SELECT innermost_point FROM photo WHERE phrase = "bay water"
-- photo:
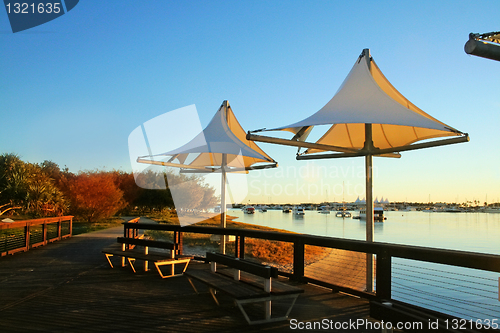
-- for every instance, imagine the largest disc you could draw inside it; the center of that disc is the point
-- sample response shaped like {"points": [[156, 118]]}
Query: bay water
{"points": [[465, 293]]}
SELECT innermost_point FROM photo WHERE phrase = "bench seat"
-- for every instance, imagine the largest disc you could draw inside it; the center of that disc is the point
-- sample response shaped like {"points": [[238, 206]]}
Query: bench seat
{"points": [[159, 259], [277, 287], [246, 282], [233, 288]]}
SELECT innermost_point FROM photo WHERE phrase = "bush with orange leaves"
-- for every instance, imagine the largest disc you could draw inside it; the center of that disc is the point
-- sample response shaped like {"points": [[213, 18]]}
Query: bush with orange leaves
{"points": [[94, 195]]}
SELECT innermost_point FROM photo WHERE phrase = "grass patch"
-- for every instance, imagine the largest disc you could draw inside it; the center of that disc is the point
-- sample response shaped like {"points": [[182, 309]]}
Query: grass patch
{"points": [[82, 227], [269, 251]]}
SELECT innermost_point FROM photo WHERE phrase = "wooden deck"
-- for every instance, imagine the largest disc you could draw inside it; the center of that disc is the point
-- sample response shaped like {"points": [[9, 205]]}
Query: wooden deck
{"points": [[68, 286]]}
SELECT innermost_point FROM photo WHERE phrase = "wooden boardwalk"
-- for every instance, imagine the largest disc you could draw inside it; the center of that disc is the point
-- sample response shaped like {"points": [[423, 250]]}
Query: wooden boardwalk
{"points": [[344, 268], [68, 286]]}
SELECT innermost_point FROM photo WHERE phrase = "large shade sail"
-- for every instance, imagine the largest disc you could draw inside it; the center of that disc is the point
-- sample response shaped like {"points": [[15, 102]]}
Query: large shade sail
{"points": [[221, 147], [367, 97], [367, 117], [204, 153]]}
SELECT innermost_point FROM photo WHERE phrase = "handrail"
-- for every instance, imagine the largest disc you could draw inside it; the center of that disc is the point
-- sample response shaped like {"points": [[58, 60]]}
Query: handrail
{"points": [[22, 223], [489, 262], [30, 237], [384, 253]]}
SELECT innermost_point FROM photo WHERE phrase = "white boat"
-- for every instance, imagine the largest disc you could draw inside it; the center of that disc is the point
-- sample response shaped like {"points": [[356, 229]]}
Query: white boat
{"points": [[343, 214], [378, 214], [249, 210], [323, 210], [298, 210], [492, 210], [263, 209]]}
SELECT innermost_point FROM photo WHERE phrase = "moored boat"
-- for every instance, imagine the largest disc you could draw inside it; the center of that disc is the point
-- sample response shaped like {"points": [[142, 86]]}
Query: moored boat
{"points": [[323, 210], [298, 210], [249, 210], [378, 214]]}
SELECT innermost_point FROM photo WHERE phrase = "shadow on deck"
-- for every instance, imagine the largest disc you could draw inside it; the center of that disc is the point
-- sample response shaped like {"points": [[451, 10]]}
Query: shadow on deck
{"points": [[69, 287]]}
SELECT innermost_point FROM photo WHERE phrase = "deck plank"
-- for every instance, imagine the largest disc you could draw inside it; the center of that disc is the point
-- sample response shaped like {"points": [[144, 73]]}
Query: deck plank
{"points": [[68, 286]]}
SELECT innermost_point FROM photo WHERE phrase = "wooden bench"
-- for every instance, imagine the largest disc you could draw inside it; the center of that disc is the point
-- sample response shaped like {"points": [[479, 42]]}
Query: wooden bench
{"points": [[126, 248], [246, 282]]}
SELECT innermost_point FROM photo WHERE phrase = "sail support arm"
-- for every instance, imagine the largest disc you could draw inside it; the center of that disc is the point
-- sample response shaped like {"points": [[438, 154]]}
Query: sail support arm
{"points": [[378, 152], [303, 144]]}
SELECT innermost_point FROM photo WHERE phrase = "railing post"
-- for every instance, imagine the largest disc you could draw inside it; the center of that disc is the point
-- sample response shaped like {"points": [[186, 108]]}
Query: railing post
{"points": [[239, 246], [71, 226], [383, 276], [178, 241], [298, 260], [27, 235], [44, 232], [59, 230]]}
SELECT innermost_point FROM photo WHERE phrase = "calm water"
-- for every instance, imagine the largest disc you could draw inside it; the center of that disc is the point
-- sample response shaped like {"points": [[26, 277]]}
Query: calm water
{"points": [[478, 232], [465, 293]]}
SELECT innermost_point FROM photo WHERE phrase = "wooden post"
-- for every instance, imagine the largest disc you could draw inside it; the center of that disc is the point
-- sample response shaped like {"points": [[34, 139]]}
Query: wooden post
{"points": [[236, 246], [298, 260], [384, 272], [71, 226], [27, 235], [242, 247], [178, 242], [59, 229], [239, 247], [44, 231]]}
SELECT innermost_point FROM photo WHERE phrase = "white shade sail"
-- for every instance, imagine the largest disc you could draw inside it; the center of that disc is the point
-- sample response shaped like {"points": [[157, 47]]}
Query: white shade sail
{"points": [[367, 117], [367, 97], [204, 153]]}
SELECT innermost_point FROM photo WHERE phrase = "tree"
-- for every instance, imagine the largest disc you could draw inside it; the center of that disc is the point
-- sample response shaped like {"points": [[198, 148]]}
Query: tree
{"points": [[190, 193], [126, 183], [28, 187], [94, 195]]}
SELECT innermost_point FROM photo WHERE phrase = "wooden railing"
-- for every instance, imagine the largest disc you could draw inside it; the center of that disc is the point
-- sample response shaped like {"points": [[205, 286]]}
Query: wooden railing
{"points": [[384, 253], [21, 236]]}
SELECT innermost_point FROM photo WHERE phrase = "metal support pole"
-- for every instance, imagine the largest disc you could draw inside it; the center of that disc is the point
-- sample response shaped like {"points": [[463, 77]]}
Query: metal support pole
{"points": [[223, 193], [223, 204], [369, 206]]}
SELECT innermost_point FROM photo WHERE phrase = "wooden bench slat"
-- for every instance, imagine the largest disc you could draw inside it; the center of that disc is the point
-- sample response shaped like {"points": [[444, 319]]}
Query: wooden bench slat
{"points": [[222, 283], [136, 254], [147, 242], [244, 265], [277, 287]]}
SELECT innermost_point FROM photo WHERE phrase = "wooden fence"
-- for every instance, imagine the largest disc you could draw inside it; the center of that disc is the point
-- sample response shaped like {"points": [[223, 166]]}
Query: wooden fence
{"points": [[21, 236]]}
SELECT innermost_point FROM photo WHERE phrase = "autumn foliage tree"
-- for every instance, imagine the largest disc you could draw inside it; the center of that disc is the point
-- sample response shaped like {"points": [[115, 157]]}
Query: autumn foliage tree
{"points": [[28, 188], [47, 190], [94, 195]]}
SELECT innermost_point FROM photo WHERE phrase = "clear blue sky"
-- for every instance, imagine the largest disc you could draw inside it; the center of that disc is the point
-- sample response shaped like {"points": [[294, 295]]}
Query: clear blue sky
{"points": [[73, 89]]}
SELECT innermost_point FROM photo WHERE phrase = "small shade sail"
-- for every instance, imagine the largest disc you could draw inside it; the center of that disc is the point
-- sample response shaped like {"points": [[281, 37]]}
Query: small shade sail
{"points": [[204, 153], [367, 97]]}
